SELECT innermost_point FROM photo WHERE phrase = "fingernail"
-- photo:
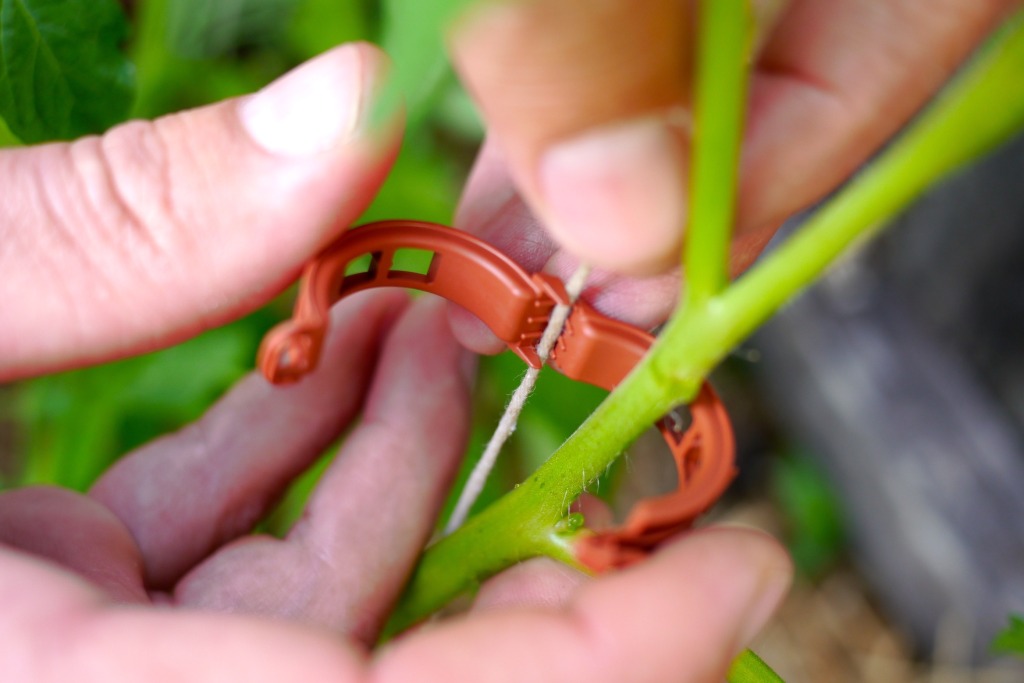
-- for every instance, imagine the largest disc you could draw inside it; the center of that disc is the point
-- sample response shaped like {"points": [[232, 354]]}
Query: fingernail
{"points": [[312, 108], [615, 196]]}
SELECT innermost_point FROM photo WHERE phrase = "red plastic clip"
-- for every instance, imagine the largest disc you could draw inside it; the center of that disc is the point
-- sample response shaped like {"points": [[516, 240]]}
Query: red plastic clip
{"points": [[515, 306]]}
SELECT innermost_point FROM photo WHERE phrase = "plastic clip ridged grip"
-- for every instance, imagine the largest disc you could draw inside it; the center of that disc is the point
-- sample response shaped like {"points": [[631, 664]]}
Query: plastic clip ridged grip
{"points": [[516, 306]]}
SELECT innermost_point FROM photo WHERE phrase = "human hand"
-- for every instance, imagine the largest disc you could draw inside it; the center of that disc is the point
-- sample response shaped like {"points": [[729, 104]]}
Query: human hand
{"points": [[152, 576], [154, 232], [586, 110], [680, 616], [135, 240]]}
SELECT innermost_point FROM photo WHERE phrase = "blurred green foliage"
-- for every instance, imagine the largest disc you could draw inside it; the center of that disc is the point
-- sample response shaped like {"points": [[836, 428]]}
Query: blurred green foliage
{"points": [[200, 29], [811, 513], [413, 34], [62, 73], [1010, 641]]}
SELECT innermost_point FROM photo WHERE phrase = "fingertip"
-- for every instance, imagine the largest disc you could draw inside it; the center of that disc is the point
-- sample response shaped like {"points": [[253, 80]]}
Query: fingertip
{"points": [[747, 551], [692, 606], [735, 538], [749, 563], [472, 333], [614, 196], [298, 116]]}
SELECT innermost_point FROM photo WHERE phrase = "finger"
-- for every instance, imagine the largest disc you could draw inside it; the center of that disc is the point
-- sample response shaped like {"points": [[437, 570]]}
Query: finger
{"points": [[56, 628], [494, 211], [587, 117], [681, 616], [540, 582], [401, 460], [155, 231], [833, 83], [77, 533], [369, 517], [186, 494]]}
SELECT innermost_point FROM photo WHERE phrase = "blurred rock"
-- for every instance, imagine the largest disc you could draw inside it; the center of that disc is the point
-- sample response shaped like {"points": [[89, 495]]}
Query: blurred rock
{"points": [[902, 370]]}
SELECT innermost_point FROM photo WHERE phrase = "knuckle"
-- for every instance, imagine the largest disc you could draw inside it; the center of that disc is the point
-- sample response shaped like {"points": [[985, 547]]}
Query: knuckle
{"points": [[126, 184]]}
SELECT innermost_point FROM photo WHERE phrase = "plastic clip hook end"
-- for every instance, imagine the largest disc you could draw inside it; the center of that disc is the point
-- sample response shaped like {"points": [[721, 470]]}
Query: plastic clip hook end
{"points": [[289, 352]]}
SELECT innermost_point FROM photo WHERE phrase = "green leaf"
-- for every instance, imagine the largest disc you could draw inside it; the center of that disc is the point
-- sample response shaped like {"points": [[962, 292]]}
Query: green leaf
{"points": [[62, 74], [1010, 641]]}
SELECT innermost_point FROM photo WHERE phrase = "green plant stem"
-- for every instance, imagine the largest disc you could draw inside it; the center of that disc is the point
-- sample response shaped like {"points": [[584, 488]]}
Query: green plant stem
{"points": [[154, 64], [724, 38], [982, 108], [749, 668]]}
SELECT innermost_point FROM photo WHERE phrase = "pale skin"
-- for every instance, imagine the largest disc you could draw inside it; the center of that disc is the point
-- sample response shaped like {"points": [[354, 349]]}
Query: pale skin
{"points": [[116, 245]]}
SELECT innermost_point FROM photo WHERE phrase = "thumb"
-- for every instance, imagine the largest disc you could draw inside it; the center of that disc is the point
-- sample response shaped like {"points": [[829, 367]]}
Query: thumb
{"points": [[147, 235], [586, 102]]}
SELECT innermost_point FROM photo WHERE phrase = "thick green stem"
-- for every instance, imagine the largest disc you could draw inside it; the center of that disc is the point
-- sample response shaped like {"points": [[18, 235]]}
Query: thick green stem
{"points": [[723, 47], [530, 520]]}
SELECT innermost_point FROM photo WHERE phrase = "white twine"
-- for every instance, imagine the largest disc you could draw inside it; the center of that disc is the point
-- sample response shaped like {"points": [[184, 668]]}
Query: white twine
{"points": [[507, 424]]}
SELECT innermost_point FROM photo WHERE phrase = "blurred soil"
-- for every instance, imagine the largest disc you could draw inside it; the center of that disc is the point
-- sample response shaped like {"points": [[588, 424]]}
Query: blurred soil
{"points": [[830, 630]]}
